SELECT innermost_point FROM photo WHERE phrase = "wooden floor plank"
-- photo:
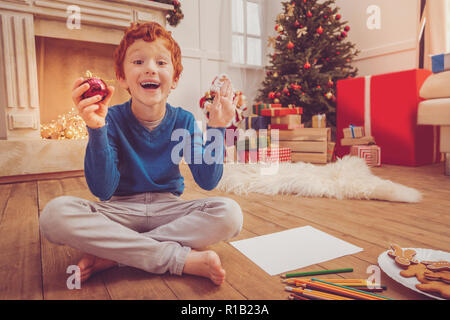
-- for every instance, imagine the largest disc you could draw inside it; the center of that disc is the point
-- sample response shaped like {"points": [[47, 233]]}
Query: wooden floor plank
{"points": [[20, 263], [35, 268], [57, 258]]}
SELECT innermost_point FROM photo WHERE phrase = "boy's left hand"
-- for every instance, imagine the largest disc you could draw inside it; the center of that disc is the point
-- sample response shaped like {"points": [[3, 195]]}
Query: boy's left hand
{"points": [[223, 108]]}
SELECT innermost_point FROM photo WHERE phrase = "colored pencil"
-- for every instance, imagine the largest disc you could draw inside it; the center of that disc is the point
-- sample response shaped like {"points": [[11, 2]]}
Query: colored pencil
{"points": [[351, 289], [339, 290], [294, 296], [314, 273], [316, 293]]}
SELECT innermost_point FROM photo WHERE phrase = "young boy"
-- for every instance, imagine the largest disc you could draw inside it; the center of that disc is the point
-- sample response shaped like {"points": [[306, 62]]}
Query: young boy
{"points": [[140, 220]]}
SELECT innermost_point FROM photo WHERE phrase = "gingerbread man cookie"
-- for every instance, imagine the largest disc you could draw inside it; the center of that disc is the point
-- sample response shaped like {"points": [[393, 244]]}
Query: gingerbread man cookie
{"points": [[438, 276], [415, 270], [435, 287], [437, 265], [403, 258]]}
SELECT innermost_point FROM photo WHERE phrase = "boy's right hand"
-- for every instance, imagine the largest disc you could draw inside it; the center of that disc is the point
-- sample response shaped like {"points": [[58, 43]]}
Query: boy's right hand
{"points": [[92, 110]]}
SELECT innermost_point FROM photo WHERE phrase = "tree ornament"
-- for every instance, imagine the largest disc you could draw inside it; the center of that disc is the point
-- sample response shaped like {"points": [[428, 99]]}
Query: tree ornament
{"points": [[338, 17], [347, 28], [96, 87], [330, 83], [301, 32], [307, 65], [309, 14], [319, 30], [276, 100], [296, 24], [290, 45], [343, 34], [329, 95], [271, 95]]}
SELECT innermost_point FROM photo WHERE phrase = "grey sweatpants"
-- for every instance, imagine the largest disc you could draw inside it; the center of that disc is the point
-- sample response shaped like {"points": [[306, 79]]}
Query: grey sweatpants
{"points": [[150, 231]]}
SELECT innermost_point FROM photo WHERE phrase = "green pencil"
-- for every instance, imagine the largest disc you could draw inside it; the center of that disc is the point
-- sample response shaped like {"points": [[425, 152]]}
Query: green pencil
{"points": [[314, 273]]}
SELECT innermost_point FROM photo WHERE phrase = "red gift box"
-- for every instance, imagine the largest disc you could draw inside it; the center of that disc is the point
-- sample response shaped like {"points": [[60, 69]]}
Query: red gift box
{"points": [[386, 105], [276, 112], [274, 155]]}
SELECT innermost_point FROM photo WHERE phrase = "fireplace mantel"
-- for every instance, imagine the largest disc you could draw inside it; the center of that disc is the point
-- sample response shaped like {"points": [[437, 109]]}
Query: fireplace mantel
{"points": [[101, 21]]}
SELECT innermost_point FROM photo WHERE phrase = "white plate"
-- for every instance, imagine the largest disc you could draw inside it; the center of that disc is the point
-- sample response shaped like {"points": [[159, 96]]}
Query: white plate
{"points": [[388, 265]]}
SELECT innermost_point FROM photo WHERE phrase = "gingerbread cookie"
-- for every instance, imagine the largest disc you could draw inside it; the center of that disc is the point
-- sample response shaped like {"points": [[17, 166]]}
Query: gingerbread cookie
{"points": [[437, 265], [403, 258], [438, 276], [435, 287], [415, 270]]}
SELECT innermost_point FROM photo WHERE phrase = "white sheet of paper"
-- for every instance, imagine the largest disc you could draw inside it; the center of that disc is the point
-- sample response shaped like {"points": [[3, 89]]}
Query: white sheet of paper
{"points": [[293, 249]]}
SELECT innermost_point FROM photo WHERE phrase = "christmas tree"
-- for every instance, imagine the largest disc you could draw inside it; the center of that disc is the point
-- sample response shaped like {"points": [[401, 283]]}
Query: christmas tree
{"points": [[310, 54]]}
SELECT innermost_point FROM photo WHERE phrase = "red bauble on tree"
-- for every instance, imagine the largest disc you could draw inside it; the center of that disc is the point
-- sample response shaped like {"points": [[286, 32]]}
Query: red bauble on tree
{"points": [[290, 45]]}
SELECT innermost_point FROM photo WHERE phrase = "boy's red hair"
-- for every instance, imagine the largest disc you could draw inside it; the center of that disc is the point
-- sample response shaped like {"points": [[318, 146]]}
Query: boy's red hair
{"points": [[149, 31]]}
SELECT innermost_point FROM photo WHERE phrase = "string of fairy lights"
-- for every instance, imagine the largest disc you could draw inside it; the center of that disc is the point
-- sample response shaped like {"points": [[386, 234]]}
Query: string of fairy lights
{"points": [[67, 126]]}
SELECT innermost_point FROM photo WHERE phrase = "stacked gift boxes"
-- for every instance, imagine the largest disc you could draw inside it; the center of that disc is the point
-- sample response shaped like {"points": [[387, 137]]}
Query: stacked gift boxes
{"points": [[386, 106], [362, 146], [258, 148]]}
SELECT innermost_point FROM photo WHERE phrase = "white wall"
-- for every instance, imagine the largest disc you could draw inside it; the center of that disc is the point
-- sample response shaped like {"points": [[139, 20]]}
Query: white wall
{"points": [[205, 39], [391, 48]]}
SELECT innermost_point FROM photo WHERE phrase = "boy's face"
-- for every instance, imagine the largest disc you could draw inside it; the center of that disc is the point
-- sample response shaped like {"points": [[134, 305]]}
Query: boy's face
{"points": [[148, 73]]}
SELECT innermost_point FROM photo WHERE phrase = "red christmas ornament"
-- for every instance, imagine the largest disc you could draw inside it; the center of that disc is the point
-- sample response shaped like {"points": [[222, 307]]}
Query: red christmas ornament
{"points": [[96, 87], [285, 90], [309, 14], [307, 65], [296, 24], [343, 34], [319, 30], [330, 83], [338, 17], [290, 45], [347, 28], [272, 95]]}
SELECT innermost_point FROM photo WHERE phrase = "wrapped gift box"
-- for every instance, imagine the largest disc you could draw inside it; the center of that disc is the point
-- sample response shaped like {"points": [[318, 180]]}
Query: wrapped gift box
{"points": [[252, 143], [353, 132], [286, 126], [290, 119], [387, 106], [440, 62], [319, 121], [330, 152], [261, 106], [371, 154], [274, 155], [256, 122], [250, 156], [278, 112], [355, 141]]}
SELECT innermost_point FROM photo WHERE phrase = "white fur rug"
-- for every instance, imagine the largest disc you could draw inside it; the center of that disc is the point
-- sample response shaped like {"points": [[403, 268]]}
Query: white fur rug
{"points": [[347, 178]]}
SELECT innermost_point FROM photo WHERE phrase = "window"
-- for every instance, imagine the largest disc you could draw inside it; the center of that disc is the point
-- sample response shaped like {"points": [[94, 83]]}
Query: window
{"points": [[246, 32]]}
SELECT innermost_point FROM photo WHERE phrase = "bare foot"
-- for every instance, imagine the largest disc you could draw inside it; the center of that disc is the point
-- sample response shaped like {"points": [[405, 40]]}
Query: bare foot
{"points": [[90, 264], [206, 264]]}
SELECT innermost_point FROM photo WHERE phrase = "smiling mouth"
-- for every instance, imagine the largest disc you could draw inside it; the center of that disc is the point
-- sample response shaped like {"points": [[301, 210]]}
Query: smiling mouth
{"points": [[150, 85]]}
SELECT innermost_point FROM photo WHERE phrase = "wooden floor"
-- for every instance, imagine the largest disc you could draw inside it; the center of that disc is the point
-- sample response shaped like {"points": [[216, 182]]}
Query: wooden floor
{"points": [[33, 268]]}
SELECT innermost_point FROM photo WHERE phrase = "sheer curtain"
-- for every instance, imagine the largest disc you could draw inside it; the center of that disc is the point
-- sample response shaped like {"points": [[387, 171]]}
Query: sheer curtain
{"points": [[437, 32]]}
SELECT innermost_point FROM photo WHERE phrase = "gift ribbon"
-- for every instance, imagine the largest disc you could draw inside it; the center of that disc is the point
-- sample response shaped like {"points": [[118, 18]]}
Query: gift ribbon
{"points": [[352, 129], [367, 107], [319, 120]]}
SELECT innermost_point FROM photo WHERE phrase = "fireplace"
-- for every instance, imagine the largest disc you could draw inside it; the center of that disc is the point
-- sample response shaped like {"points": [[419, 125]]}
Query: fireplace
{"points": [[44, 47]]}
